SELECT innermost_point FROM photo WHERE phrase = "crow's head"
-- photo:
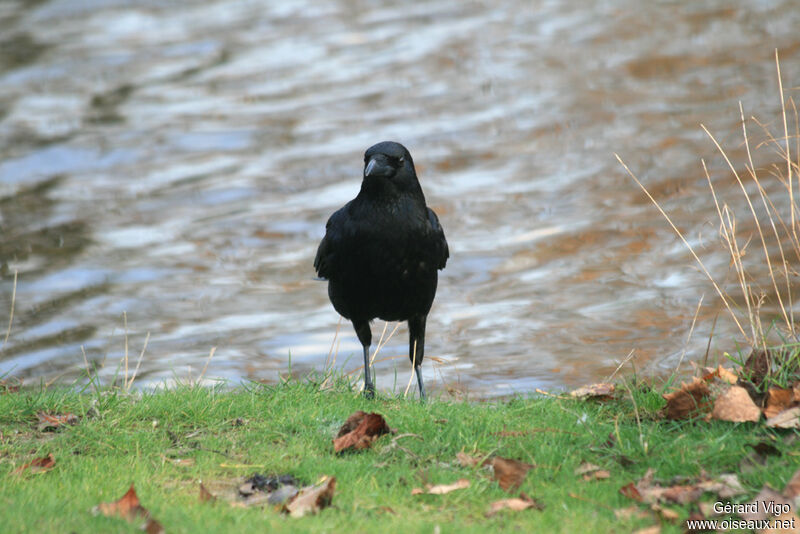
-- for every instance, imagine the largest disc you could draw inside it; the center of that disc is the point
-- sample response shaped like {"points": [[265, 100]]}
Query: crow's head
{"points": [[388, 167]]}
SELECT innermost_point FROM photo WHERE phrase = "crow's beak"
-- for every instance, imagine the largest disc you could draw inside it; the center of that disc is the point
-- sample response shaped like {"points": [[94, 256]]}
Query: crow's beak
{"points": [[370, 167]]}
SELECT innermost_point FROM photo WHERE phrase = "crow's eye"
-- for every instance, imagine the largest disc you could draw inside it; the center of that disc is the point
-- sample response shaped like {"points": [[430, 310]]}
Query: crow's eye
{"points": [[400, 160]]}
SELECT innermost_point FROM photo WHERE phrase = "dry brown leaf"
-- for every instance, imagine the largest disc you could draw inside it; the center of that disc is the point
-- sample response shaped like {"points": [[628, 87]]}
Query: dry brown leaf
{"points": [[586, 468], [735, 405], [441, 489], [55, 421], [687, 401], [38, 465], [655, 529], [594, 391], [778, 400], [630, 491], [205, 495], [786, 523], [359, 431], [757, 509], [509, 473], [725, 486], [312, 499], [630, 512], [6, 386], [523, 502], [786, 419], [128, 507], [792, 489], [467, 460], [667, 514], [757, 366], [185, 462], [600, 474], [648, 491], [727, 375]]}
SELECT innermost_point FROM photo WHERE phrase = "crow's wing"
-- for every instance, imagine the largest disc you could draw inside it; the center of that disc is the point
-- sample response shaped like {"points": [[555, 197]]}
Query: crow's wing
{"points": [[442, 251], [323, 262]]}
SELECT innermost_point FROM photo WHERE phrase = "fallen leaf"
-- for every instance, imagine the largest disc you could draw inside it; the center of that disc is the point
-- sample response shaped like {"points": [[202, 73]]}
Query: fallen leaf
{"points": [[359, 431], [7, 387], [757, 509], [523, 502], [649, 491], [205, 495], [283, 494], [667, 514], [55, 421], [757, 366], [785, 523], [727, 375], [509, 473], [735, 405], [312, 499], [600, 474], [185, 462], [586, 468], [792, 489], [630, 491], [786, 419], [687, 401], [630, 512], [594, 391], [38, 465], [127, 507], [466, 460], [442, 489], [725, 486], [655, 529], [778, 400]]}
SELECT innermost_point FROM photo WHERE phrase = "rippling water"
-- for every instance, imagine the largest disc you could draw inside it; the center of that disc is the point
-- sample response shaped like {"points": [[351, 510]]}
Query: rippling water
{"points": [[176, 162]]}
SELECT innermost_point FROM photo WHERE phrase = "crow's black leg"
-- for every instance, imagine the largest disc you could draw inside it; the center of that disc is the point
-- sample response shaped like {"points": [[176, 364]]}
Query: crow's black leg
{"points": [[416, 348], [365, 337]]}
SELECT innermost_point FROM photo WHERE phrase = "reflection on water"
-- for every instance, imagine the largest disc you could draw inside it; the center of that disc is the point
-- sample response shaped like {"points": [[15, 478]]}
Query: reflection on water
{"points": [[177, 164]]}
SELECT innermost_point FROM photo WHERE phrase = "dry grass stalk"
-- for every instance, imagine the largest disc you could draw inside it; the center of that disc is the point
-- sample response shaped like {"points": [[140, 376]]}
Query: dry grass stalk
{"points": [[777, 233]]}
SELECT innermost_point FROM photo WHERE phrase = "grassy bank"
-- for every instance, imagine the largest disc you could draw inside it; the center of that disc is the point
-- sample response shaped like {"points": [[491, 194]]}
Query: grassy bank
{"points": [[167, 442]]}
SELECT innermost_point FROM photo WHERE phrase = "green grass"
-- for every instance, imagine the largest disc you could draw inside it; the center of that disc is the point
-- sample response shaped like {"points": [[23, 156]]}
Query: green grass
{"points": [[289, 428]]}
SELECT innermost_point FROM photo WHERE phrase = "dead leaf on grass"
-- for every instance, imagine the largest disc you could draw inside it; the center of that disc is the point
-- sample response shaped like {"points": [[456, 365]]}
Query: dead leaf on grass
{"points": [[442, 489], [467, 460], [778, 400], [37, 465], [205, 495], [757, 509], [687, 401], [594, 391], [630, 512], [792, 489], [757, 366], [735, 405], [646, 490], [9, 386], [668, 514], [55, 421], [786, 419], [129, 508], [723, 373], [655, 529], [523, 502], [312, 499], [592, 472], [359, 431], [509, 473]]}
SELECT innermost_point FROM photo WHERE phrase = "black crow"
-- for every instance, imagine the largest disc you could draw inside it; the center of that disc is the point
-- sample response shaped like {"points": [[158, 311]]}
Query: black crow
{"points": [[382, 252]]}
